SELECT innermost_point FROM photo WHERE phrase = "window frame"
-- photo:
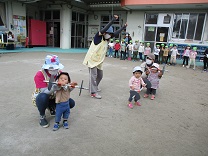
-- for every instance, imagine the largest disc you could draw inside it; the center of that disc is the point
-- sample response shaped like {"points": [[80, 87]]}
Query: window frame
{"points": [[187, 26]]}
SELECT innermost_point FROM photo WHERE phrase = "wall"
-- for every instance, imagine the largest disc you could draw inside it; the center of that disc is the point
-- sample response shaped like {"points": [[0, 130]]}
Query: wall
{"points": [[135, 21]]}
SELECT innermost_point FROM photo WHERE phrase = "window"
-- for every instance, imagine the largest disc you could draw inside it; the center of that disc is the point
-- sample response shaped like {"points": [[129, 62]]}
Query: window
{"points": [[47, 15], [188, 26], [3, 22], [199, 26], [151, 18], [150, 33], [191, 26], [56, 14]]}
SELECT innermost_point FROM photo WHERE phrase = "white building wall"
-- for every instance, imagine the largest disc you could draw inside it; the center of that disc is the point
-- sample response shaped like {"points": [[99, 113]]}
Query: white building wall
{"points": [[65, 26], [135, 21]]}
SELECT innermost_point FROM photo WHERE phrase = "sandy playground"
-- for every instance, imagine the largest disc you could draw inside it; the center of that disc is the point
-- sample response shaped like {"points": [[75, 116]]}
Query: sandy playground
{"points": [[174, 124]]}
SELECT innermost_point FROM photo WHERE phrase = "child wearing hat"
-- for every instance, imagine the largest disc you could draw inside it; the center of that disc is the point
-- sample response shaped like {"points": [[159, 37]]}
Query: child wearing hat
{"points": [[135, 50], [129, 48], [123, 50], [141, 50], [192, 57], [147, 51], [174, 53], [117, 47], [135, 84], [186, 54], [165, 54], [156, 52], [154, 74], [111, 47], [162, 48], [169, 53], [44, 93]]}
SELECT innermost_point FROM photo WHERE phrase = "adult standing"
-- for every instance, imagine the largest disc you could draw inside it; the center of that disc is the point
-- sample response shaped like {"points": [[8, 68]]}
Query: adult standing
{"points": [[46, 98], [96, 55], [206, 59]]}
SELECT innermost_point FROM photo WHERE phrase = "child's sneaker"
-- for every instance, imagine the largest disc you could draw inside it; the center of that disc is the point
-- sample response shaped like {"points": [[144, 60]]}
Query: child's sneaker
{"points": [[130, 105], [146, 95], [96, 95], [152, 97], [65, 125], [138, 103], [56, 127]]}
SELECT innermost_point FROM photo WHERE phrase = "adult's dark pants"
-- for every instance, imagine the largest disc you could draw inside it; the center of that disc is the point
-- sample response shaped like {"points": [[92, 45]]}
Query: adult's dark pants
{"points": [[43, 102], [147, 82]]}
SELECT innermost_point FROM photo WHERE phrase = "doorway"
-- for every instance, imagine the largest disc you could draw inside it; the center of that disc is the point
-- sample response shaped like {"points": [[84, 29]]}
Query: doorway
{"points": [[53, 34], [77, 35], [162, 34]]}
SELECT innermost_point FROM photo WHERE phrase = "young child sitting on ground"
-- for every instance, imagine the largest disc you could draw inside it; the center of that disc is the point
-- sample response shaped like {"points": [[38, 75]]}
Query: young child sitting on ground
{"points": [[135, 83], [63, 89], [154, 74]]}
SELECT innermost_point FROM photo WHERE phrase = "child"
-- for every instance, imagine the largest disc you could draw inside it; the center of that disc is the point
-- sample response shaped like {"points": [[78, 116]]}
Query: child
{"points": [[62, 95], [135, 83], [130, 49], [147, 51], [123, 50], [154, 74], [141, 50], [162, 48], [174, 53], [186, 55], [135, 50], [156, 53], [111, 46], [169, 53], [165, 55], [192, 56], [117, 47]]}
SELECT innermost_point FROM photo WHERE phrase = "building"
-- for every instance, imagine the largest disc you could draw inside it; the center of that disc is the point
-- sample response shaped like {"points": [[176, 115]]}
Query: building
{"points": [[73, 23]]}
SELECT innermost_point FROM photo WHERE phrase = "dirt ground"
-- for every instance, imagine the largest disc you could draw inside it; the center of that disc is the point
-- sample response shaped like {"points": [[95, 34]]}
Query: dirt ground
{"points": [[174, 124]]}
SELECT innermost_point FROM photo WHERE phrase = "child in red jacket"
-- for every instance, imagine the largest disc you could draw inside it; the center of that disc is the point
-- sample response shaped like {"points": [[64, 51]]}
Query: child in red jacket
{"points": [[117, 47]]}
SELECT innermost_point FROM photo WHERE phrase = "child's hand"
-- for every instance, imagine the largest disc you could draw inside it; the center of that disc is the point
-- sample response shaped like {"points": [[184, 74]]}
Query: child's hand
{"points": [[73, 84], [61, 84], [132, 87], [144, 85]]}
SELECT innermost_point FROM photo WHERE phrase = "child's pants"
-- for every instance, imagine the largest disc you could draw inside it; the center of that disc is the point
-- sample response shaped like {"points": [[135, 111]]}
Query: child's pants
{"points": [[116, 54], [135, 53], [173, 59], [191, 60], [62, 108], [140, 55], [110, 52], [123, 55], [135, 95], [151, 91], [185, 59], [165, 59], [129, 53]]}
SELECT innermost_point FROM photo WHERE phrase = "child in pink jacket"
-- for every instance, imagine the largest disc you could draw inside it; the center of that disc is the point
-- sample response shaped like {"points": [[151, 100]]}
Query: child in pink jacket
{"points": [[192, 57]]}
